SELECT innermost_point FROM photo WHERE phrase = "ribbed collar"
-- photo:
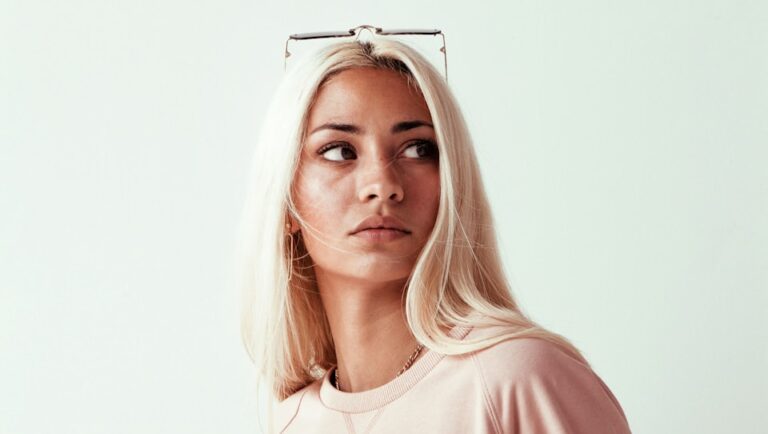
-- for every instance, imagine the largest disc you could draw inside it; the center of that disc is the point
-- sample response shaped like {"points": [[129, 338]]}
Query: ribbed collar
{"points": [[360, 402]]}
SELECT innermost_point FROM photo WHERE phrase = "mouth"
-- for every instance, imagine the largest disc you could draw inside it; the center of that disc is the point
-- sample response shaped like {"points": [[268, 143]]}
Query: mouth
{"points": [[381, 224], [381, 234], [382, 228]]}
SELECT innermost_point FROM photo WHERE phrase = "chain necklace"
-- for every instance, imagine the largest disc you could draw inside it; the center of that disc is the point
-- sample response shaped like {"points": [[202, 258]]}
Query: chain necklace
{"points": [[405, 367]]}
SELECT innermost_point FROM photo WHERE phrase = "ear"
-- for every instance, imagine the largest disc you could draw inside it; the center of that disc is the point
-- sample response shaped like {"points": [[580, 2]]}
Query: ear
{"points": [[294, 224]]}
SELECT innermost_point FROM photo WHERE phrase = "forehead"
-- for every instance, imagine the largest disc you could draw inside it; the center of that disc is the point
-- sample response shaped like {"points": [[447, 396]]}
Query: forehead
{"points": [[367, 93]]}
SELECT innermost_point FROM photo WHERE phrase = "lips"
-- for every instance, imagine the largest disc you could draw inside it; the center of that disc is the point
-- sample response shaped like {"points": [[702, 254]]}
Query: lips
{"points": [[380, 222]]}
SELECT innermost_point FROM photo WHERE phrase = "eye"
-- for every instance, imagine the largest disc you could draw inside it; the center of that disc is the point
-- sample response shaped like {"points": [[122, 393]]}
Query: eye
{"points": [[422, 149], [337, 152]]}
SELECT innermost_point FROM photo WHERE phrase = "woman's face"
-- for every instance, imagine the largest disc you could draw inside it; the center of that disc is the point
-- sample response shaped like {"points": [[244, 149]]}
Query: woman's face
{"points": [[370, 152]]}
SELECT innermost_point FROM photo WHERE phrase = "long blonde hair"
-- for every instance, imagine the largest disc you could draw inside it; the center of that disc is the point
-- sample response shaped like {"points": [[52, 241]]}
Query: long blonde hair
{"points": [[458, 279]]}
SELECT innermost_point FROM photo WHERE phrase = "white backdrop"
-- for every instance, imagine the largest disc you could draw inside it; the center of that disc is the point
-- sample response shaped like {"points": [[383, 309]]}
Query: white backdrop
{"points": [[623, 145]]}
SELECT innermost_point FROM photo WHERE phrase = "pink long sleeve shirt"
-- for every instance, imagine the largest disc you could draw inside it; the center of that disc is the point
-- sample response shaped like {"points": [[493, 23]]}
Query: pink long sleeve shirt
{"points": [[518, 386]]}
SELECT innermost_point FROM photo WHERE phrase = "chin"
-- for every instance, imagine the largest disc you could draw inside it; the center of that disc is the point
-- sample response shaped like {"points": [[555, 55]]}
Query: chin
{"points": [[381, 272]]}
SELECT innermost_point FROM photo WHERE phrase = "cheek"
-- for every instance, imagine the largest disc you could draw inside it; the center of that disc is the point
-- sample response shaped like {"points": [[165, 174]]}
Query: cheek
{"points": [[426, 188], [320, 199], [434, 199], [425, 198]]}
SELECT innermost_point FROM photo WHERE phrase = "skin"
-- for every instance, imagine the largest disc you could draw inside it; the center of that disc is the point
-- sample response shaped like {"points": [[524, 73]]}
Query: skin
{"points": [[377, 171]]}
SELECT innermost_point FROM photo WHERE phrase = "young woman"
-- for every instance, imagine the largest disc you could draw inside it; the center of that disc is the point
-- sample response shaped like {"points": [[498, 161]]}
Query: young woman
{"points": [[376, 301]]}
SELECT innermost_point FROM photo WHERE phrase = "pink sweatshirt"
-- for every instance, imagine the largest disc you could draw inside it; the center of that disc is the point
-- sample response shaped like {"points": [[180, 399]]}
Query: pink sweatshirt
{"points": [[518, 386]]}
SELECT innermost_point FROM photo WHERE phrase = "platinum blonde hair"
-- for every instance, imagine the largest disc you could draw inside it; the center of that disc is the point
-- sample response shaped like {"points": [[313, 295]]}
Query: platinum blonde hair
{"points": [[458, 279]]}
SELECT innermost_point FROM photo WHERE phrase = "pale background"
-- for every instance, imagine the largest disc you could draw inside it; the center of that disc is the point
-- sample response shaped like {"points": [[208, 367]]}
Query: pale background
{"points": [[623, 145]]}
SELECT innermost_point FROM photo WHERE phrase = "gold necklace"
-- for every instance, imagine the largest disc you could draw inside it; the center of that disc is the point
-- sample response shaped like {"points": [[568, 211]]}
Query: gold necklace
{"points": [[405, 367]]}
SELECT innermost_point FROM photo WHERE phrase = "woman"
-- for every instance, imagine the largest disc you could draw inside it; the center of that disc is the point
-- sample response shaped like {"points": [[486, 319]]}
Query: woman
{"points": [[375, 296]]}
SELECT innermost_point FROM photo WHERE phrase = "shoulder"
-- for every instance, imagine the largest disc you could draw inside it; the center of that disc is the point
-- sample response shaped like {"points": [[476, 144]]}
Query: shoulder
{"points": [[537, 386], [287, 409], [523, 358]]}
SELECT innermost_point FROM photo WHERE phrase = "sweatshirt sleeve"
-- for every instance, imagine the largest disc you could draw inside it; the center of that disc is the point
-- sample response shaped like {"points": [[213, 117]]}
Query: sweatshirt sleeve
{"points": [[534, 387]]}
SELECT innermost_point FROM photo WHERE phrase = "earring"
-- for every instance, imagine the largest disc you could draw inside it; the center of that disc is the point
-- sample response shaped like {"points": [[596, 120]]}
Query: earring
{"points": [[288, 229]]}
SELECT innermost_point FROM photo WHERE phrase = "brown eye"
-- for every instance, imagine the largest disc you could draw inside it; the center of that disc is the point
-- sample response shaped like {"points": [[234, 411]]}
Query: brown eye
{"points": [[337, 152], [423, 149]]}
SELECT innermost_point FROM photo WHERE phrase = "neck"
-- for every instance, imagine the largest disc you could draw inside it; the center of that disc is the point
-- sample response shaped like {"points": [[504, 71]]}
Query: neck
{"points": [[370, 332]]}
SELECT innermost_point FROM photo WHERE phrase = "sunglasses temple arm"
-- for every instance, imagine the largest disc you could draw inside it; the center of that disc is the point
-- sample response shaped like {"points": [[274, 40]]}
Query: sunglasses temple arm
{"points": [[287, 54], [445, 57]]}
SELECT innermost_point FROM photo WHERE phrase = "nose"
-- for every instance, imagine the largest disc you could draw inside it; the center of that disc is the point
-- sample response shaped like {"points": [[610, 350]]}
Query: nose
{"points": [[381, 181]]}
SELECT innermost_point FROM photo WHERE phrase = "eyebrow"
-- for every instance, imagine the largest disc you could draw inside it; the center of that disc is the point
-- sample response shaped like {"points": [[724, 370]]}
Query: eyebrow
{"points": [[354, 129]]}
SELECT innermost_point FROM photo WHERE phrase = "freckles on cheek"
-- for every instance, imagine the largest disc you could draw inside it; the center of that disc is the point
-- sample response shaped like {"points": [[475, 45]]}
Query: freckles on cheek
{"points": [[319, 182], [320, 188], [425, 186]]}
